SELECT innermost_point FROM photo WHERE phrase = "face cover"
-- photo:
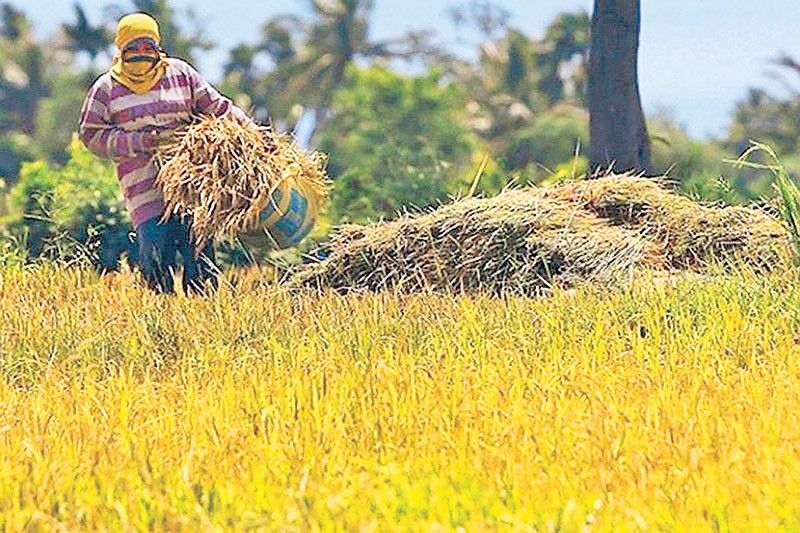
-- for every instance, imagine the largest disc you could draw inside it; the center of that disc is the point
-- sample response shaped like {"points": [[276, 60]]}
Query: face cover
{"points": [[137, 69], [140, 64], [140, 58]]}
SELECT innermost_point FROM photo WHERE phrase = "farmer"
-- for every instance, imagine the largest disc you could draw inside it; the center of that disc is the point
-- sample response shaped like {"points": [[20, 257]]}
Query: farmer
{"points": [[128, 113]]}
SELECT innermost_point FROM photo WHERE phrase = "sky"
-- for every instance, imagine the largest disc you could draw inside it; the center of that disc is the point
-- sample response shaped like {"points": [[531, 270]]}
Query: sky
{"points": [[697, 58]]}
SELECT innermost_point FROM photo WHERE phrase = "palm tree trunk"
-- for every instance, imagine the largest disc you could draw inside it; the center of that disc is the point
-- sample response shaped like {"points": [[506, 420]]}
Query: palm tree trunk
{"points": [[619, 139]]}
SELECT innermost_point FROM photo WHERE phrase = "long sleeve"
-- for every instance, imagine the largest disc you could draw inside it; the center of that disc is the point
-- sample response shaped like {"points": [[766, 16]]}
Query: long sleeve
{"points": [[208, 101], [100, 135]]}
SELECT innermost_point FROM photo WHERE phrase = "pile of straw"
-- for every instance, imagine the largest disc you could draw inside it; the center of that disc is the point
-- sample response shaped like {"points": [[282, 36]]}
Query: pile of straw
{"points": [[223, 174], [525, 241], [690, 235]]}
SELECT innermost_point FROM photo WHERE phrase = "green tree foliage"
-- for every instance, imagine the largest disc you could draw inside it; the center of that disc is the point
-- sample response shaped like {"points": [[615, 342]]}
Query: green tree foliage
{"points": [[307, 58], [40, 95], [58, 115], [563, 57], [698, 166], [22, 71], [772, 120], [23, 84], [502, 88], [554, 139], [395, 142], [518, 77], [489, 18], [766, 118], [85, 37], [15, 149], [70, 211]]}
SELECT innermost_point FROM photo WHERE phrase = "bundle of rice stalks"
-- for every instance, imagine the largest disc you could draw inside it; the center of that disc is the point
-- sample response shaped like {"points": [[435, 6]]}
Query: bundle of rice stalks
{"points": [[225, 175], [517, 242], [691, 235], [524, 241]]}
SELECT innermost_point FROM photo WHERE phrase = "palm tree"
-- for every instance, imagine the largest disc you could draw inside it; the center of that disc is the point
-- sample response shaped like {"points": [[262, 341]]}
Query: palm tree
{"points": [[309, 57], [770, 118], [619, 138], [14, 25], [265, 94], [502, 86], [82, 36], [564, 56], [517, 77]]}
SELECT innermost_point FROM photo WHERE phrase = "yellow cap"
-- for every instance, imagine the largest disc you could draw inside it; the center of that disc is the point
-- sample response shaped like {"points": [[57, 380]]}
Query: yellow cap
{"points": [[136, 26]]}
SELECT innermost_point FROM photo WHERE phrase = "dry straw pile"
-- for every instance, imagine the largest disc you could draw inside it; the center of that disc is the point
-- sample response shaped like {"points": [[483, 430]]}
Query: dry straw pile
{"points": [[524, 241], [224, 175]]}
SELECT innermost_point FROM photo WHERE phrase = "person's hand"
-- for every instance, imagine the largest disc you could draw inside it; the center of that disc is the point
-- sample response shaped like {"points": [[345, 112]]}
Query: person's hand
{"points": [[154, 139], [150, 140], [165, 137]]}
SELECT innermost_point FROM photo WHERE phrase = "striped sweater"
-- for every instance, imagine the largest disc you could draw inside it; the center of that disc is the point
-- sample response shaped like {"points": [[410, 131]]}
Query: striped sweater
{"points": [[114, 121]]}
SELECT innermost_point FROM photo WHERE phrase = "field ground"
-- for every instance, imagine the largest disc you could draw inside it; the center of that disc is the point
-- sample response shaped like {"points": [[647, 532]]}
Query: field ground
{"points": [[660, 406]]}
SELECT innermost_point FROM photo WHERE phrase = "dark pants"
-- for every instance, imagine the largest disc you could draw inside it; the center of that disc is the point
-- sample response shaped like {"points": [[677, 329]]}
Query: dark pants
{"points": [[159, 244]]}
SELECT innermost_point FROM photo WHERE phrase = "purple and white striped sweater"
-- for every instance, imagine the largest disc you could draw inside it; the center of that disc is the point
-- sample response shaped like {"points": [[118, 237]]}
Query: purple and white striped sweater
{"points": [[114, 121]]}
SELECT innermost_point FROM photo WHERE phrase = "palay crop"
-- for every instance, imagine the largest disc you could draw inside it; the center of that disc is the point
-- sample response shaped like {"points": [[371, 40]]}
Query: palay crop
{"points": [[659, 406]]}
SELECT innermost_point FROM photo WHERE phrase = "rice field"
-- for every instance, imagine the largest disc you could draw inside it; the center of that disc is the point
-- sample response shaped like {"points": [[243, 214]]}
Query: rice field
{"points": [[665, 404]]}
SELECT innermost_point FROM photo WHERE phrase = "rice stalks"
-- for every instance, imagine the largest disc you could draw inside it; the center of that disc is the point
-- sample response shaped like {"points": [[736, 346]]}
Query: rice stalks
{"points": [[223, 175], [525, 241]]}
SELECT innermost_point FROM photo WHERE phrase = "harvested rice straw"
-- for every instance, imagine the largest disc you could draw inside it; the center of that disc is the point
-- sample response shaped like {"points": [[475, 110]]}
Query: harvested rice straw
{"points": [[525, 241], [224, 174]]}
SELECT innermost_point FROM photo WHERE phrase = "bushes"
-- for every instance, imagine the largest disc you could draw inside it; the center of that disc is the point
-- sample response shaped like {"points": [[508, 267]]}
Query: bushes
{"points": [[15, 149], [71, 211], [550, 142], [395, 142], [58, 114]]}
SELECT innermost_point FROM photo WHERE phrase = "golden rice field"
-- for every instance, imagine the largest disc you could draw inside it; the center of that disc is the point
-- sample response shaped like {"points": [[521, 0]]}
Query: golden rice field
{"points": [[661, 406]]}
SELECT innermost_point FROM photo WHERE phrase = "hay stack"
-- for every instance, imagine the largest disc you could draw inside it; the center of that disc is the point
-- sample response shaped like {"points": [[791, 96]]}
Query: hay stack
{"points": [[516, 242], [526, 240], [224, 175], [690, 235]]}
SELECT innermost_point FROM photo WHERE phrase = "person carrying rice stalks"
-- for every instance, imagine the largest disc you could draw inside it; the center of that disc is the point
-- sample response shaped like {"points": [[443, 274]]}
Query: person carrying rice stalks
{"points": [[129, 112]]}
